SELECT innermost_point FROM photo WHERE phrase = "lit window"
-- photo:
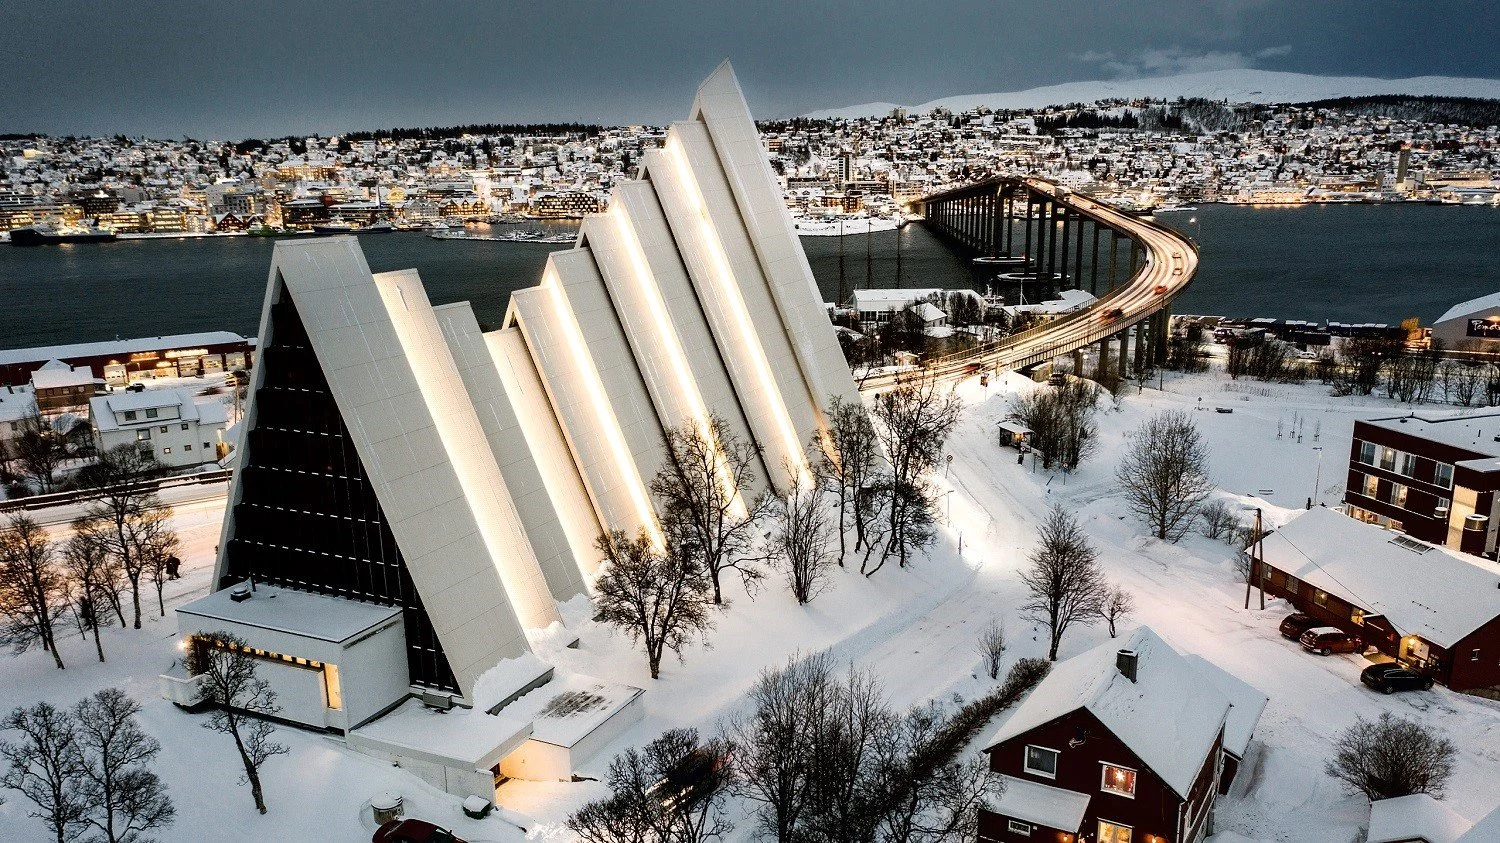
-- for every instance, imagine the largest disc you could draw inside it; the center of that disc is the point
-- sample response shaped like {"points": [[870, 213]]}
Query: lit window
{"points": [[1113, 832], [1367, 453], [331, 685], [1388, 459], [1118, 780], [1041, 761], [1372, 485], [1443, 475], [1018, 827], [143, 435], [1474, 657], [166, 450], [1320, 597], [163, 428], [1398, 494], [1357, 615]]}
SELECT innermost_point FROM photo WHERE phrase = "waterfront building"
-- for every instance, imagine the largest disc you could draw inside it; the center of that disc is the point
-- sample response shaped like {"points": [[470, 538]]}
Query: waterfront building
{"points": [[1473, 325], [165, 424], [566, 204], [119, 362], [418, 494], [60, 388]]}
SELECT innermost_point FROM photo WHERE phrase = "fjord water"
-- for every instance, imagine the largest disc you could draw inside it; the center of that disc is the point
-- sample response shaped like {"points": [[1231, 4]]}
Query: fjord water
{"points": [[1352, 263]]}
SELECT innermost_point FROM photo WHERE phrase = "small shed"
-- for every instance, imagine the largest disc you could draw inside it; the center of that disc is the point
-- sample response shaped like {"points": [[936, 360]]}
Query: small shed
{"points": [[1013, 434]]}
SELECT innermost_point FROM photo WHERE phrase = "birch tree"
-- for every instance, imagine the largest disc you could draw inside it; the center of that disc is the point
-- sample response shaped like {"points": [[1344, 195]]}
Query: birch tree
{"points": [[33, 588], [659, 597], [1065, 582], [243, 700], [1164, 473]]}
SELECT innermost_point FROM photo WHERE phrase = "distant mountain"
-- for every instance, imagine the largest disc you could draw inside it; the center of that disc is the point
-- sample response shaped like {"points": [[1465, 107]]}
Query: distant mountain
{"points": [[1244, 85]]}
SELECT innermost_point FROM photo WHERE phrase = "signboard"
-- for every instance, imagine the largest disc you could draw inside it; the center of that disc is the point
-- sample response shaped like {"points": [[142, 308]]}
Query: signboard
{"points": [[1488, 329]]}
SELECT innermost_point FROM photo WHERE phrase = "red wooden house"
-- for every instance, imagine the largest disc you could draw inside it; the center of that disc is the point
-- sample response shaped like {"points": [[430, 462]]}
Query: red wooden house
{"points": [[1130, 742]]}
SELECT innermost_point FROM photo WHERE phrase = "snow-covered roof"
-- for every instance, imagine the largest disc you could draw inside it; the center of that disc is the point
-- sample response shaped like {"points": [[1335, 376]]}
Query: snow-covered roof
{"points": [[58, 375], [1422, 589], [1466, 308], [1170, 716], [1487, 830], [116, 347], [302, 613], [16, 404], [565, 710], [928, 312], [1067, 301], [471, 738], [890, 299], [1414, 817], [1246, 703], [1042, 804], [1467, 432]]}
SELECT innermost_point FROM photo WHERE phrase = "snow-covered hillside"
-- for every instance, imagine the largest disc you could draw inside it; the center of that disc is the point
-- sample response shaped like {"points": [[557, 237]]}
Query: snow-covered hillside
{"points": [[1241, 85]]}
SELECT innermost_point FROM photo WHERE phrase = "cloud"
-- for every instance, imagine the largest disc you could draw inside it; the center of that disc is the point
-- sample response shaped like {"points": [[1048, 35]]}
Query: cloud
{"points": [[1171, 61]]}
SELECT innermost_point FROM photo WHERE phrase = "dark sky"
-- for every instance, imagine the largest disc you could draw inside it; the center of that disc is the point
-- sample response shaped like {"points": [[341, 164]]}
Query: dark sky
{"points": [[236, 68]]}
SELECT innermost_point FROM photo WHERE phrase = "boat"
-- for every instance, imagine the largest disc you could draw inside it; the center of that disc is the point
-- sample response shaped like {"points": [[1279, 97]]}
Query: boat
{"points": [[333, 227], [1170, 208], [46, 235], [999, 261], [381, 228]]}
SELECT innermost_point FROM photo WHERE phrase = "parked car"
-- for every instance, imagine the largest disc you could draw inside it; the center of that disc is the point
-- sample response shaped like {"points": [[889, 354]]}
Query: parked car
{"points": [[1324, 640], [1389, 677], [1293, 625], [414, 831]]}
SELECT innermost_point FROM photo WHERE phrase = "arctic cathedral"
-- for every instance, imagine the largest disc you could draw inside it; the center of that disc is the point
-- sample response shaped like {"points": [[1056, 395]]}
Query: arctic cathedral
{"points": [[414, 494]]}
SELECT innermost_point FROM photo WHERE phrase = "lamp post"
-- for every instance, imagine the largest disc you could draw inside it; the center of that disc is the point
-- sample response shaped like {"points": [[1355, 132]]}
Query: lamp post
{"points": [[1318, 477]]}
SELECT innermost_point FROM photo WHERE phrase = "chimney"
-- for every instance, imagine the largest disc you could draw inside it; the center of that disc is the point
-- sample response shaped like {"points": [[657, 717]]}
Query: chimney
{"points": [[1125, 661]]}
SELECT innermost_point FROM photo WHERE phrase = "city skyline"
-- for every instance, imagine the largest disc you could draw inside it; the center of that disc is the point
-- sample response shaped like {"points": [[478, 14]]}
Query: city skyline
{"points": [[169, 69]]}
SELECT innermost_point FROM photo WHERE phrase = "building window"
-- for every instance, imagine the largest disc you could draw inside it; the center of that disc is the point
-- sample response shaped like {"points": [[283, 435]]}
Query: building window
{"points": [[1443, 475], [1474, 656], [187, 447], [129, 415], [143, 435], [1357, 615], [166, 450], [163, 428], [1018, 827], [1388, 459], [1118, 780], [1398, 494], [1041, 761], [1293, 585], [332, 687], [1113, 832], [1371, 485], [1367, 453], [1409, 464], [206, 446], [152, 413], [184, 426], [1320, 597]]}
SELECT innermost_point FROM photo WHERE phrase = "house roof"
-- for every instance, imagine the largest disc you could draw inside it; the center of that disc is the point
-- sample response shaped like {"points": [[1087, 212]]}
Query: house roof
{"points": [[1466, 432], [1042, 804], [1422, 589], [116, 347], [1245, 700], [58, 375], [301, 613], [16, 405], [1471, 306], [1487, 830], [102, 409], [1169, 717], [1414, 817]]}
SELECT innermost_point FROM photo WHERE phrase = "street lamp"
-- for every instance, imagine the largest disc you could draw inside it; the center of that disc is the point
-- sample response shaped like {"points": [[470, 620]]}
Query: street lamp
{"points": [[1318, 478]]}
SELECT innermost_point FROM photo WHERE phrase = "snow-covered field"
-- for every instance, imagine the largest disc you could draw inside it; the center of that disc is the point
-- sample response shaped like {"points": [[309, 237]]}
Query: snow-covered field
{"points": [[914, 628]]}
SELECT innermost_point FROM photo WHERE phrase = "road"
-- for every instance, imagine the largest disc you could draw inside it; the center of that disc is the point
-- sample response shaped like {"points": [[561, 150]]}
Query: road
{"points": [[1171, 261]]}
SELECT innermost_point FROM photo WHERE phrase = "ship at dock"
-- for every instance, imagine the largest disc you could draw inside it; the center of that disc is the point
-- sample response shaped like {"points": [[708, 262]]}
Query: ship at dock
{"points": [[47, 235]]}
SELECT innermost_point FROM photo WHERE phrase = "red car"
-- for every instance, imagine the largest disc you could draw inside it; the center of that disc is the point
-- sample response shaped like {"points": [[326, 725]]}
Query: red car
{"points": [[414, 831]]}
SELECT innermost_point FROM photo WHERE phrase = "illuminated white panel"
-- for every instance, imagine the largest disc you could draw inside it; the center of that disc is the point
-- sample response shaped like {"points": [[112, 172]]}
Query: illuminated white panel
{"points": [[468, 449], [730, 289], [638, 204], [581, 404], [721, 106], [375, 384], [549, 447], [515, 456]]}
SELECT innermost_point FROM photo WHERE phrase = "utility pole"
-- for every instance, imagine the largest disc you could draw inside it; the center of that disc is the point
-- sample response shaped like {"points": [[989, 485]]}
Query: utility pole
{"points": [[843, 285]]}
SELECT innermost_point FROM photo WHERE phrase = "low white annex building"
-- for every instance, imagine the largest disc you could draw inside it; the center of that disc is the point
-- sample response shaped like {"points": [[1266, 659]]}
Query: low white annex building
{"points": [[413, 496], [166, 423]]}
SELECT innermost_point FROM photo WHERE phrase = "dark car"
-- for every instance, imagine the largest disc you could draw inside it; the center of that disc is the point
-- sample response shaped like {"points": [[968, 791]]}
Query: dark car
{"points": [[1325, 640], [1389, 677], [414, 831], [1293, 625]]}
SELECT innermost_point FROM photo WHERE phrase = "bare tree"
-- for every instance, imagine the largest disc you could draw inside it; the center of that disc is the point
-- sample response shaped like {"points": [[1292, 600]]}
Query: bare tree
{"points": [[772, 742], [672, 791], [661, 597], [1164, 473], [1117, 606], [1061, 420], [700, 488], [799, 539], [1391, 757], [1065, 582], [33, 588], [242, 701], [46, 766], [155, 545], [125, 516], [1219, 520], [992, 647], [914, 422], [94, 576], [848, 459], [39, 450], [124, 798]]}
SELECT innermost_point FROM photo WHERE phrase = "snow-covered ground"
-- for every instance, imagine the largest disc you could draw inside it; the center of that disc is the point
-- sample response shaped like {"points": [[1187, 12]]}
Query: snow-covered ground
{"points": [[1234, 85], [914, 628]]}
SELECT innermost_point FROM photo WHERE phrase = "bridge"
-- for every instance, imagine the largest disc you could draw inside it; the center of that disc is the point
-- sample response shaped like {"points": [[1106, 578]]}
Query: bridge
{"points": [[1052, 236]]}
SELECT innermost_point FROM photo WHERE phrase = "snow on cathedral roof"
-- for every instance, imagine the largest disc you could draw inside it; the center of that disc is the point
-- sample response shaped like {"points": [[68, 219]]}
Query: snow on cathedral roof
{"points": [[1170, 717]]}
